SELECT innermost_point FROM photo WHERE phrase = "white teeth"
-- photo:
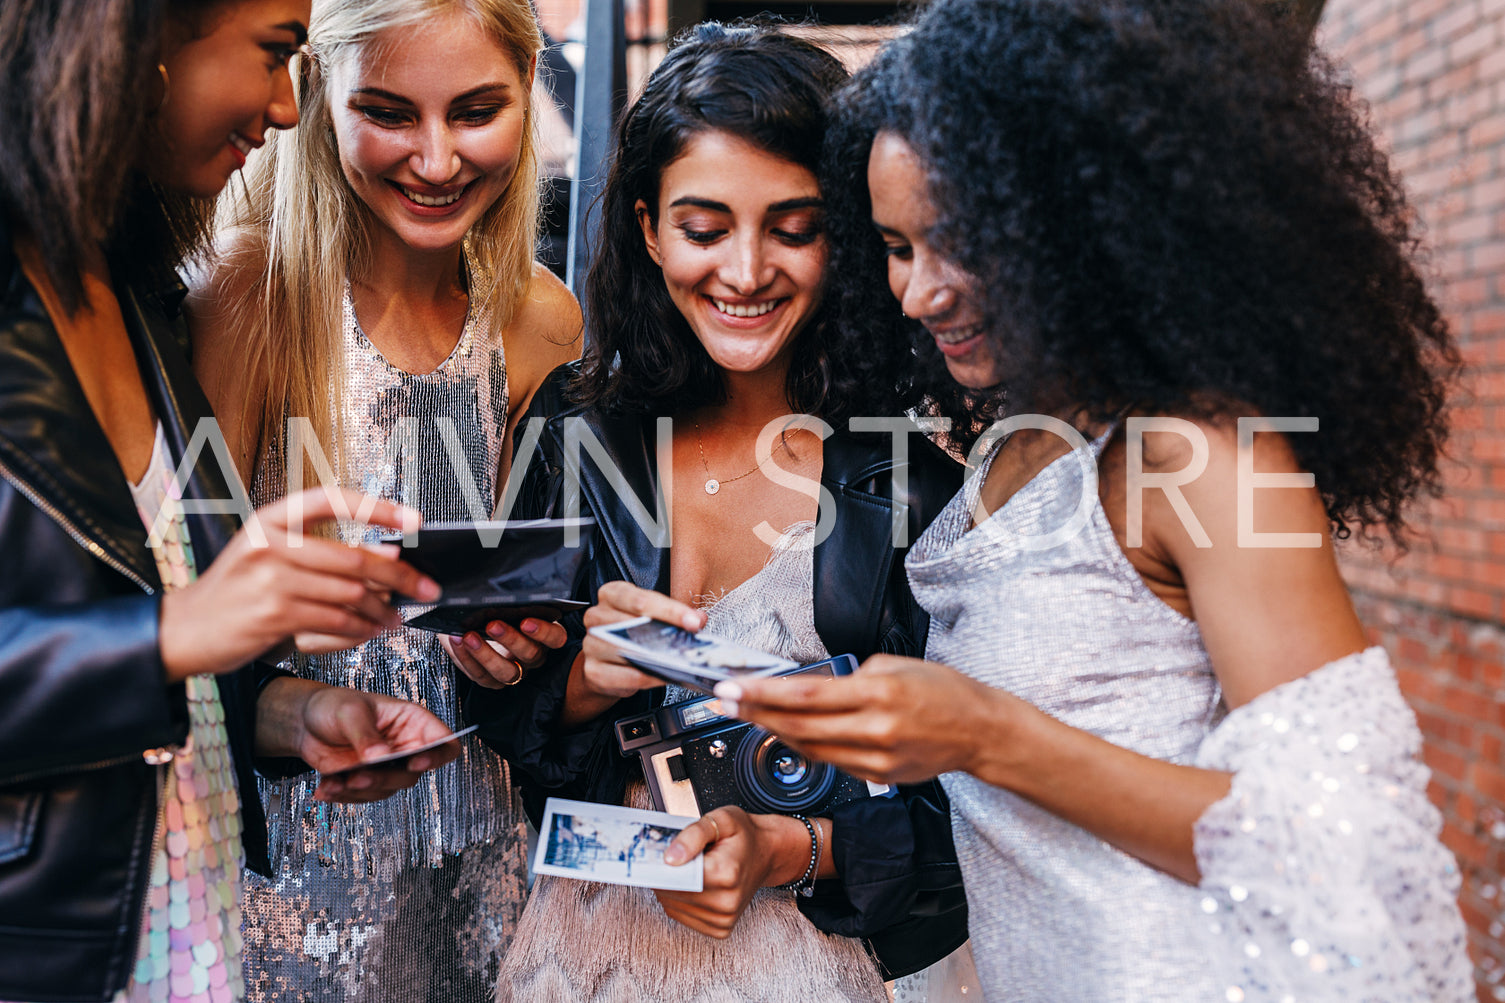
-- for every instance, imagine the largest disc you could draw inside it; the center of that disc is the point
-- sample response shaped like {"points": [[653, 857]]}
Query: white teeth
{"points": [[751, 310], [433, 200], [957, 335], [241, 143]]}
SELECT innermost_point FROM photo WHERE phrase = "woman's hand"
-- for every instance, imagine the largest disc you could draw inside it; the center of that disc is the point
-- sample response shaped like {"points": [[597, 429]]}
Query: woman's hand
{"points": [[332, 728], [601, 676], [264, 590], [742, 854], [508, 653], [896, 720]]}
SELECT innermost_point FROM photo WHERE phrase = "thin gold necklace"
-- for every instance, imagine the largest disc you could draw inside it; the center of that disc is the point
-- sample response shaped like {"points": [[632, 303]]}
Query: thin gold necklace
{"points": [[712, 485]]}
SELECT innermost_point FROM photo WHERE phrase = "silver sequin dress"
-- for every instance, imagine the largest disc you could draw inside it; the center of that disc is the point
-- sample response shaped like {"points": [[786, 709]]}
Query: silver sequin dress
{"points": [[1326, 848], [584, 942], [413, 898]]}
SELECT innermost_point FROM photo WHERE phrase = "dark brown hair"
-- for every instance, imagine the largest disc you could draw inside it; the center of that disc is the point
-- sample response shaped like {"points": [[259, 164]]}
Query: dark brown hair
{"points": [[750, 81], [78, 87]]}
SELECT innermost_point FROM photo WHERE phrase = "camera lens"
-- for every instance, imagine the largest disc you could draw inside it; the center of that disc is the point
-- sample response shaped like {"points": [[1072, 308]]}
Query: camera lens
{"points": [[789, 767], [775, 778]]}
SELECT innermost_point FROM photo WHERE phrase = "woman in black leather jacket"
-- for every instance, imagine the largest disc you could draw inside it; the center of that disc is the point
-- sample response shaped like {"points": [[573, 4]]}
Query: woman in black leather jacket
{"points": [[705, 304], [114, 664]]}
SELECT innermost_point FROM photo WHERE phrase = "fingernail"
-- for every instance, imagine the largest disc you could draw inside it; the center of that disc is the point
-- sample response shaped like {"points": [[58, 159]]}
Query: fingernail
{"points": [[429, 590], [728, 707], [379, 749], [530, 626], [691, 621], [387, 549], [420, 763], [496, 628], [728, 691], [472, 642], [393, 620], [674, 855], [412, 519], [360, 782]]}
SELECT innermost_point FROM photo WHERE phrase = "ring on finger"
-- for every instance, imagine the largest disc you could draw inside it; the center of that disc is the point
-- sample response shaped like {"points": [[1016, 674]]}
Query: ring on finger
{"points": [[716, 828], [517, 678]]}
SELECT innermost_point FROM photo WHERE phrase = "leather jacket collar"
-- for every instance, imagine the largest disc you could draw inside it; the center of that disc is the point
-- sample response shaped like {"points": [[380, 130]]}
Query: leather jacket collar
{"points": [[56, 454], [854, 562]]}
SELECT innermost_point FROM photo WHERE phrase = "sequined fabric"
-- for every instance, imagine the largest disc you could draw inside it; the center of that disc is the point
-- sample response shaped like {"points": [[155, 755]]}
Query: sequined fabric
{"points": [[414, 897], [1322, 873], [1059, 915], [583, 941], [190, 946], [1056, 914]]}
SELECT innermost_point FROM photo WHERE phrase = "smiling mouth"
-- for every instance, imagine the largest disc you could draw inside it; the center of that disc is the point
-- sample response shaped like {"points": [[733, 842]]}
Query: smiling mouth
{"points": [[745, 309], [432, 201], [957, 335]]}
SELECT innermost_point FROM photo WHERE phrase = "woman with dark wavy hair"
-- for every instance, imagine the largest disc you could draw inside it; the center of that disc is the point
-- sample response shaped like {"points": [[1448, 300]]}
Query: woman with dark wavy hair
{"points": [[133, 609], [706, 307], [1156, 242]]}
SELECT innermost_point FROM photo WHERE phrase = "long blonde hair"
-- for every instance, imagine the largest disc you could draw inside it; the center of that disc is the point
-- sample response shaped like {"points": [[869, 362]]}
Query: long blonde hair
{"points": [[310, 230]]}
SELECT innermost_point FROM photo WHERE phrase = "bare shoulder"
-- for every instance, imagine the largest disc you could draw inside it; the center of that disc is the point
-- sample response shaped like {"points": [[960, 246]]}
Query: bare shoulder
{"points": [[545, 333], [552, 315]]}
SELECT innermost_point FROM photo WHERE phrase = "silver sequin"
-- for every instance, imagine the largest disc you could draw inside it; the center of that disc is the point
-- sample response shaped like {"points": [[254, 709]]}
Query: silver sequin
{"points": [[1057, 914], [1293, 904], [416, 896]]}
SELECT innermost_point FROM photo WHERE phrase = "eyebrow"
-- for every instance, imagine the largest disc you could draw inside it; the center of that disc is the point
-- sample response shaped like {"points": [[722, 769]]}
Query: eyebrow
{"points": [[474, 92], [887, 231], [788, 205], [300, 33]]}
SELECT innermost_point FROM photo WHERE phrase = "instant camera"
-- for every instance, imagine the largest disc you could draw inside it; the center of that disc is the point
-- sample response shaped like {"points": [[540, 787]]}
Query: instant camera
{"points": [[696, 759]]}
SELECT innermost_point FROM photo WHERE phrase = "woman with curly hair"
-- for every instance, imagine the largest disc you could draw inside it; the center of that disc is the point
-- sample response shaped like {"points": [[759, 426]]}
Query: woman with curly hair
{"points": [[1157, 241]]}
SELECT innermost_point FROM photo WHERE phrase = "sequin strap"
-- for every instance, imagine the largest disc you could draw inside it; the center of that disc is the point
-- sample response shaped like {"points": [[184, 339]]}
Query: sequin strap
{"points": [[190, 946]]}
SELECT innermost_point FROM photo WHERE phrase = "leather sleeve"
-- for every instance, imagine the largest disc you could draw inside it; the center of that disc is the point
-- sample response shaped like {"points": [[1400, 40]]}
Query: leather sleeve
{"points": [[82, 686], [522, 722], [900, 886]]}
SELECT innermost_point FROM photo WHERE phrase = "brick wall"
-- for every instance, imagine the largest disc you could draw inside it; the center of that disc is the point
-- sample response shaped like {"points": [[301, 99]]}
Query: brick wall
{"points": [[1433, 72]]}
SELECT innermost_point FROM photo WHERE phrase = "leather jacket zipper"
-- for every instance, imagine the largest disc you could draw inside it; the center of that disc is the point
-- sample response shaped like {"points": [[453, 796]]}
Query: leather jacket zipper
{"points": [[78, 536]]}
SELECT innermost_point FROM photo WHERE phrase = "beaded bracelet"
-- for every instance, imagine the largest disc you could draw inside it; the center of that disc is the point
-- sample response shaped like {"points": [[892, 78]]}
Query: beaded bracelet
{"points": [[805, 883]]}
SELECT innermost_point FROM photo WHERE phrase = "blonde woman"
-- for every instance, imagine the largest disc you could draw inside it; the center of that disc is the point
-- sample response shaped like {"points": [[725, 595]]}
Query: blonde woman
{"points": [[377, 294]]}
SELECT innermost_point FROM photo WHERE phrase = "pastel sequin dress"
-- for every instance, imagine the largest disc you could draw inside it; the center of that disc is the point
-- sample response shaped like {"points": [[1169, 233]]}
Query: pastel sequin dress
{"points": [[1322, 875], [413, 898], [190, 946], [585, 942]]}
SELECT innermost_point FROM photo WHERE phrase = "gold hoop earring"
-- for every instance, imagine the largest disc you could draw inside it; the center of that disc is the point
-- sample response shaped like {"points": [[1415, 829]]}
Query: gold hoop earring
{"points": [[166, 88]]}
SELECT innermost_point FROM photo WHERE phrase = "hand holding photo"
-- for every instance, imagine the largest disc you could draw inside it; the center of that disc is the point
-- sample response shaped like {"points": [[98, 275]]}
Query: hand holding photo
{"points": [[697, 661], [620, 846], [397, 760]]}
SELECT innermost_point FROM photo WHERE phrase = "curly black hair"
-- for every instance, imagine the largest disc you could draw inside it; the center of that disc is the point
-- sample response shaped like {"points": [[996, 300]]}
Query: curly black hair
{"points": [[751, 80], [1173, 207]]}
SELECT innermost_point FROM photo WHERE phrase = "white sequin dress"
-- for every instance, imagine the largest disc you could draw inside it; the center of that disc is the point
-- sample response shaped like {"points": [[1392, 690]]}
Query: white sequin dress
{"points": [[1323, 878]]}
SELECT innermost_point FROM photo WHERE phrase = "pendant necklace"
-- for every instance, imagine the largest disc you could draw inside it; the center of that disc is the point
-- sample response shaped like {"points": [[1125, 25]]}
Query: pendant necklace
{"points": [[712, 485]]}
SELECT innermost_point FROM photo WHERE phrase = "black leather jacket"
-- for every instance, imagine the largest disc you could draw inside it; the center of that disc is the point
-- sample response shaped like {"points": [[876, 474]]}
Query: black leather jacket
{"points": [[82, 692], [900, 886]]}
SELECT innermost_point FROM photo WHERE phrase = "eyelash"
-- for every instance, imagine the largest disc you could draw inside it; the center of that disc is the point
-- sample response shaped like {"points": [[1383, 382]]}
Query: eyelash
{"points": [[901, 252], [281, 54], [704, 238], [392, 118]]}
